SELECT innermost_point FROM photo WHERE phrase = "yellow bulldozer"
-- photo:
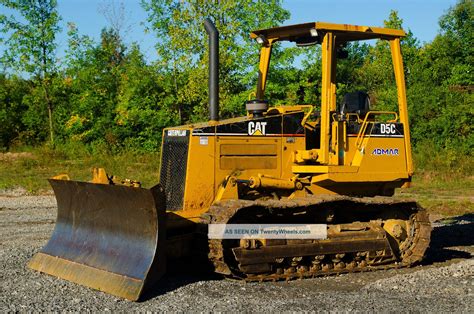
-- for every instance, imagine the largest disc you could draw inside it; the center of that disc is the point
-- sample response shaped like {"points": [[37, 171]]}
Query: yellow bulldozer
{"points": [[337, 166]]}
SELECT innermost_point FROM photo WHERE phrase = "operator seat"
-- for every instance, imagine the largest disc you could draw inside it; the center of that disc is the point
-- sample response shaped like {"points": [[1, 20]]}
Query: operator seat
{"points": [[356, 102]]}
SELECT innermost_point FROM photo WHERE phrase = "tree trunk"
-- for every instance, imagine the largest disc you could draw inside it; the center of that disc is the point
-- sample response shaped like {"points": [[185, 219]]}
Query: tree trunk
{"points": [[50, 113]]}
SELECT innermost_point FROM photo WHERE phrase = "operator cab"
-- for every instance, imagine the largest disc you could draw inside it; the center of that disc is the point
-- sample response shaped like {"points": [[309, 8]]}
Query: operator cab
{"points": [[327, 133]]}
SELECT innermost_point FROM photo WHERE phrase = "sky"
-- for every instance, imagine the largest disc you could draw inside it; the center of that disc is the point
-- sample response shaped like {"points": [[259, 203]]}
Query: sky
{"points": [[420, 16]]}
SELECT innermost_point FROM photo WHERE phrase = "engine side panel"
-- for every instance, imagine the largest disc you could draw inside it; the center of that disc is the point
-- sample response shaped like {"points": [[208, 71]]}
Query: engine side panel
{"points": [[216, 150]]}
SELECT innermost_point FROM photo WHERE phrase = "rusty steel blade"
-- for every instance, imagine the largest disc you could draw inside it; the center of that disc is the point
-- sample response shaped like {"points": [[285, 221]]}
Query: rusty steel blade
{"points": [[107, 237]]}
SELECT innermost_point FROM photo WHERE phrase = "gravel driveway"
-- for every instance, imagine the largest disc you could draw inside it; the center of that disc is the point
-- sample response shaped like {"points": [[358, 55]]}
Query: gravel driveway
{"points": [[445, 283]]}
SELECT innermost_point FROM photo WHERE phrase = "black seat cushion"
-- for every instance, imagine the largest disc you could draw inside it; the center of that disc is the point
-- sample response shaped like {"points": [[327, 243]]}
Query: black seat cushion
{"points": [[355, 102]]}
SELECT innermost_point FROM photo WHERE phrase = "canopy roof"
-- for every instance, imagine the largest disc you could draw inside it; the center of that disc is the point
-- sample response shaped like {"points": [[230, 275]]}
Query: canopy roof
{"points": [[343, 32]]}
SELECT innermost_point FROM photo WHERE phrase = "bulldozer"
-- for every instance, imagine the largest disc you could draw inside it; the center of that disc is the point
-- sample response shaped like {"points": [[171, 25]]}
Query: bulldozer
{"points": [[336, 164]]}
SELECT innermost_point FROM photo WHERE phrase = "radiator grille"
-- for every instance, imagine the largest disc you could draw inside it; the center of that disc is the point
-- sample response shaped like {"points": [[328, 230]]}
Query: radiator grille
{"points": [[173, 167]]}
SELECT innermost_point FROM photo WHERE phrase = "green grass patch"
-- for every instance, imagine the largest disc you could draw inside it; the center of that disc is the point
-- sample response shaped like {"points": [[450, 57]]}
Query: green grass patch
{"points": [[441, 193], [443, 182]]}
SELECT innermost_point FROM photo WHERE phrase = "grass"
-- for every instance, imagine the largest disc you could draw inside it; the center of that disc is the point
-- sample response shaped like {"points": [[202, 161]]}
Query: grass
{"points": [[30, 169], [443, 182], [440, 194], [446, 191]]}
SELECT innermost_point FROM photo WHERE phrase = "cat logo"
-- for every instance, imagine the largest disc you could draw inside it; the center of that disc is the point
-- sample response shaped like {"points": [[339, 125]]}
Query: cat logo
{"points": [[256, 128]]}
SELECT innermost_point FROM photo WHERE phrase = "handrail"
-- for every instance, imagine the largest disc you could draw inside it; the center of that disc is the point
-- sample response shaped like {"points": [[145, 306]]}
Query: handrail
{"points": [[359, 139], [303, 122]]}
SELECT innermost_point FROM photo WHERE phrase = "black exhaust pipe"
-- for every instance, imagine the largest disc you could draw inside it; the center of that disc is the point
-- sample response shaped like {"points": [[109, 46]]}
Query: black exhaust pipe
{"points": [[213, 69]]}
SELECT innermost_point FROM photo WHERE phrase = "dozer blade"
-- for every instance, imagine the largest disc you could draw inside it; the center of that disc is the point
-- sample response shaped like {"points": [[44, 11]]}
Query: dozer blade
{"points": [[107, 237]]}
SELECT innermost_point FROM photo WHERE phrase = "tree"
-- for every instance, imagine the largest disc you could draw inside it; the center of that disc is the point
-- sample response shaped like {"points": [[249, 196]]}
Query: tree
{"points": [[95, 79], [30, 45], [446, 74], [182, 49], [116, 15], [457, 31], [12, 90], [78, 50], [115, 99]]}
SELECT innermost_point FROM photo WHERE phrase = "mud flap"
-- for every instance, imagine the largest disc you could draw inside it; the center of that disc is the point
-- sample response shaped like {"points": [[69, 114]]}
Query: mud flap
{"points": [[107, 237]]}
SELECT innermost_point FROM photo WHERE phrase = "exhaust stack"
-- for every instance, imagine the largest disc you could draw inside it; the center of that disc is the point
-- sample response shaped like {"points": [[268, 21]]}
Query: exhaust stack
{"points": [[213, 69]]}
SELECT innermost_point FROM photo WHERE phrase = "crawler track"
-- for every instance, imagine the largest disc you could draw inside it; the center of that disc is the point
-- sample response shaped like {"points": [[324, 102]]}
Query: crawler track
{"points": [[360, 237]]}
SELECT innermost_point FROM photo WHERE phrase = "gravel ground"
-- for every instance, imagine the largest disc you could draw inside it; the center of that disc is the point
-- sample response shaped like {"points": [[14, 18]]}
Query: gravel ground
{"points": [[444, 283]]}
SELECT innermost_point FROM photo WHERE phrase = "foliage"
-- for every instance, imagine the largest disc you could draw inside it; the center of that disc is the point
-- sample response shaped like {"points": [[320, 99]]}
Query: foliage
{"points": [[31, 48], [114, 97], [440, 89], [12, 90], [182, 49]]}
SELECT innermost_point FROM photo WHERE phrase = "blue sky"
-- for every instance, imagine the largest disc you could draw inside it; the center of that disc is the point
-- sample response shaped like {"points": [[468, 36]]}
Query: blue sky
{"points": [[421, 16]]}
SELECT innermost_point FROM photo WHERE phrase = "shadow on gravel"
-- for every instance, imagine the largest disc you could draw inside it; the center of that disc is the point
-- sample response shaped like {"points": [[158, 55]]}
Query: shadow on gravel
{"points": [[179, 275], [454, 232]]}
